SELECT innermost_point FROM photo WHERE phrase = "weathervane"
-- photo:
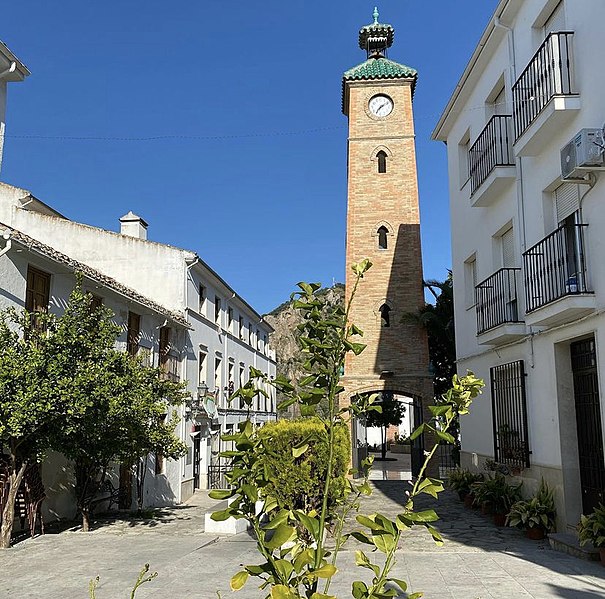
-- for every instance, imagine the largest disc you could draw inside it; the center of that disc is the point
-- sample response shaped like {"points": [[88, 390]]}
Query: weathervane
{"points": [[375, 15]]}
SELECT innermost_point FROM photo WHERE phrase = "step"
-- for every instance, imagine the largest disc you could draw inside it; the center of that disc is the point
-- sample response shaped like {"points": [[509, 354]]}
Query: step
{"points": [[568, 543]]}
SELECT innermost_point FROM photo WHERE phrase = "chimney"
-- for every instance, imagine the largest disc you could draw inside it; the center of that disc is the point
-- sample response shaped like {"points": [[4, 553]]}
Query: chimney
{"points": [[133, 226]]}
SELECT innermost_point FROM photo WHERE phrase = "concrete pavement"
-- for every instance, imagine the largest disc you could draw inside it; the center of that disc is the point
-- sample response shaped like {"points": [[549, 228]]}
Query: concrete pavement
{"points": [[477, 561]]}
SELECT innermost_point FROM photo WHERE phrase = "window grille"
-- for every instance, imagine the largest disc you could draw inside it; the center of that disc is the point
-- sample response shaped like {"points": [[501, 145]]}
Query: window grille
{"points": [[509, 414]]}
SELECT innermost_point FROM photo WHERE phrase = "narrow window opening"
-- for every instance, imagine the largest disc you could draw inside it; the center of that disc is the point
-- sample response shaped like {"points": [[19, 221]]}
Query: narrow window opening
{"points": [[383, 234], [385, 317], [382, 161]]}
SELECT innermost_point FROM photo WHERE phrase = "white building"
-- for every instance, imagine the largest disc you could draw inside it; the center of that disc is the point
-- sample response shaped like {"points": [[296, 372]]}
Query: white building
{"points": [[36, 277], [528, 246], [11, 69], [226, 336]]}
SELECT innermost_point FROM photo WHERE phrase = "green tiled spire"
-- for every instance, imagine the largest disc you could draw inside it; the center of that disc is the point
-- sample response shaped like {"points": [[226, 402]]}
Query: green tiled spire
{"points": [[380, 68]]}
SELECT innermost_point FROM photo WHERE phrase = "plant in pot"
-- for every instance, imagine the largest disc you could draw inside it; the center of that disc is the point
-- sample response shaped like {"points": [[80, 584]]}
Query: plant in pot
{"points": [[496, 497], [535, 515], [592, 530], [461, 480]]}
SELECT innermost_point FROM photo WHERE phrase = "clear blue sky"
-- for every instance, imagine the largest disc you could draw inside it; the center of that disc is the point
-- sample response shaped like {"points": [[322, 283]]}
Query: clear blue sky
{"points": [[252, 173]]}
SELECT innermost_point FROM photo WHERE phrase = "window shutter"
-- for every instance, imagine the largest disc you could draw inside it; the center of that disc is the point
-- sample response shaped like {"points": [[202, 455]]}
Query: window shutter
{"points": [[508, 249], [567, 200], [556, 21]]}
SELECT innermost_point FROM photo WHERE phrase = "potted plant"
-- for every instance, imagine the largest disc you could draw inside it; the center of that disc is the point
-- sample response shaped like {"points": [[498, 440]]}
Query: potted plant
{"points": [[535, 515], [496, 496], [461, 481], [592, 530]]}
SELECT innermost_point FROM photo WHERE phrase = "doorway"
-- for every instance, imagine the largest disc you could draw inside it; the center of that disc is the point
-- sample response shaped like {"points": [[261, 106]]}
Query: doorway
{"points": [[196, 459], [588, 422]]}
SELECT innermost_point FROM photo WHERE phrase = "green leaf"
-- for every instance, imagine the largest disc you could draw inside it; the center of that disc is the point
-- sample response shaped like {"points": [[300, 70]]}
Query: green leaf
{"points": [[239, 580], [368, 522], [359, 590], [402, 584], [221, 494], [445, 436], [384, 542], [325, 571], [436, 535], [221, 515], [283, 533], [322, 596], [282, 592], [417, 431], [284, 567], [298, 451]]}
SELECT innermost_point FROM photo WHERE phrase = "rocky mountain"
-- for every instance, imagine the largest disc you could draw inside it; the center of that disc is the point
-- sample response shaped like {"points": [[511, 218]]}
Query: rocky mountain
{"points": [[285, 320]]}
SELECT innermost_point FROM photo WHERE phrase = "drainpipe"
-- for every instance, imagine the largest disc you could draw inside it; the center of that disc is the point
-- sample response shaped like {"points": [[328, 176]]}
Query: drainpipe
{"points": [[9, 242], [8, 71]]}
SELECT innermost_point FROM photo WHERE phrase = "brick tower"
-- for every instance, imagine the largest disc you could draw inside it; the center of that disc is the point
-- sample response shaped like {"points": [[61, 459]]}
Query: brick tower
{"points": [[383, 224]]}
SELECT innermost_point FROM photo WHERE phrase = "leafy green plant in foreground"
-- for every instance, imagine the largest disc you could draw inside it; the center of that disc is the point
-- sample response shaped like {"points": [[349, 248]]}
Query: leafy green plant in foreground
{"points": [[298, 561]]}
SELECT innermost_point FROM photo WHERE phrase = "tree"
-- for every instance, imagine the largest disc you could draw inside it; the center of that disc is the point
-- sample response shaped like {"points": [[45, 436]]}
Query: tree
{"points": [[29, 405], [438, 320], [118, 407], [391, 414]]}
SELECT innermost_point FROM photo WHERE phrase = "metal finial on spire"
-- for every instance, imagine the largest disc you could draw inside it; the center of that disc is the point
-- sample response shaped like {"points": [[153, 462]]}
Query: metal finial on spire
{"points": [[375, 15]]}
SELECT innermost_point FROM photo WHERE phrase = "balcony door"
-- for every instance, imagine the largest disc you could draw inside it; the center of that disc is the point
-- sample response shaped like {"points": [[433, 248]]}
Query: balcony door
{"points": [[588, 422]]}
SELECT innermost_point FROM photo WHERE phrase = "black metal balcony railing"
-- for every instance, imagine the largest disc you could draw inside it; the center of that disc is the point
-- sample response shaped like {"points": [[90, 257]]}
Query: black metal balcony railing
{"points": [[492, 148], [548, 74], [496, 300], [555, 267]]}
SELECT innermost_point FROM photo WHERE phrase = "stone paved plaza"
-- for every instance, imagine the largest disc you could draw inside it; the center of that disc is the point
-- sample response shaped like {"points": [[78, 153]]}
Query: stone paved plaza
{"points": [[477, 561]]}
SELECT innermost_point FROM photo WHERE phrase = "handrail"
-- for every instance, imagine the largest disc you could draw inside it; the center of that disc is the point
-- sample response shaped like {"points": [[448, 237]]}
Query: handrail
{"points": [[496, 300], [548, 74]]}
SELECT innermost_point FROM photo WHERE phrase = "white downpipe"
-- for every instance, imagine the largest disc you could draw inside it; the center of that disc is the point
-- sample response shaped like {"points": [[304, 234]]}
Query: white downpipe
{"points": [[8, 71]]}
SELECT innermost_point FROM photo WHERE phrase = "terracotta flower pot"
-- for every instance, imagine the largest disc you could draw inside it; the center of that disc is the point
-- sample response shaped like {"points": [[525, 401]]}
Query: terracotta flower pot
{"points": [[486, 508], [468, 500], [500, 519], [535, 533], [462, 495]]}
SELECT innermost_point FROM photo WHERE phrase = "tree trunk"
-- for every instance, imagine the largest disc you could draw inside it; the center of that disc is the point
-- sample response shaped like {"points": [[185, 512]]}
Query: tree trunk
{"points": [[8, 514], [85, 520], [383, 435]]}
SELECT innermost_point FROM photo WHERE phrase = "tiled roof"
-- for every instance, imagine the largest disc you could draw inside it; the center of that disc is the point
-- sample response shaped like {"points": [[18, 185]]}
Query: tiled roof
{"points": [[380, 68], [93, 274]]}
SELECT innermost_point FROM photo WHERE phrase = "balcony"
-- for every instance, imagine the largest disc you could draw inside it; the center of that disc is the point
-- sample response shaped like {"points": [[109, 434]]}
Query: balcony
{"points": [[556, 289], [491, 161], [544, 97], [497, 308]]}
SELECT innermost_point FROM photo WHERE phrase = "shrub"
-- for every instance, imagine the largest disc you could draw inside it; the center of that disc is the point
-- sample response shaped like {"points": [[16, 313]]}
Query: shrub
{"points": [[537, 512], [497, 492], [297, 482], [461, 480], [592, 528]]}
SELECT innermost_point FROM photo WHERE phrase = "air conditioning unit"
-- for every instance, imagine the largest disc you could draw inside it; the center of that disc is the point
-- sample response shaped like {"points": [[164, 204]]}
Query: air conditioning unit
{"points": [[584, 153]]}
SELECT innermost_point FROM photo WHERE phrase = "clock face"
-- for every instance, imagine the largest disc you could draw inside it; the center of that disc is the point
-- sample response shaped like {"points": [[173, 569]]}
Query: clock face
{"points": [[381, 105]]}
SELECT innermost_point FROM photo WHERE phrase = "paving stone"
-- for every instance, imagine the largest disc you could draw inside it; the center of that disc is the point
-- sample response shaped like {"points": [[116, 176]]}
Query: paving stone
{"points": [[478, 561]]}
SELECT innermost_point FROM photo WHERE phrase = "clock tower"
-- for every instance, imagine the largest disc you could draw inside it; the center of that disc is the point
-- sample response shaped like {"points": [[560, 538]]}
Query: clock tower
{"points": [[383, 224]]}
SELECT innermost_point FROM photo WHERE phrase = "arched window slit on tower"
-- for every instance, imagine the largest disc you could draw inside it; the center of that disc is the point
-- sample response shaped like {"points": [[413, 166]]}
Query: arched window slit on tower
{"points": [[382, 161], [385, 318], [383, 237]]}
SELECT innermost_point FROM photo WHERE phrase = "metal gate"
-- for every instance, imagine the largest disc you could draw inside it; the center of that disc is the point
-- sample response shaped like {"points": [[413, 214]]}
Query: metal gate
{"points": [[588, 421], [418, 442]]}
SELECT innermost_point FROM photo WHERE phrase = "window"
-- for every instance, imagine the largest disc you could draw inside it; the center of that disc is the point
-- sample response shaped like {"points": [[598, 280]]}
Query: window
{"points": [[258, 340], [241, 328], [507, 246], [509, 413], [218, 377], [134, 331], [265, 345], [383, 234], [556, 21], [382, 161], [385, 318], [202, 368], [169, 360], [229, 318], [202, 300], [95, 302], [230, 378], [470, 281], [217, 310], [250, 335], [37, 293], [464, 158]]}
